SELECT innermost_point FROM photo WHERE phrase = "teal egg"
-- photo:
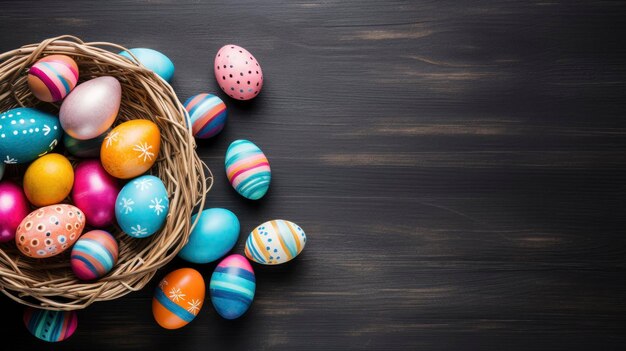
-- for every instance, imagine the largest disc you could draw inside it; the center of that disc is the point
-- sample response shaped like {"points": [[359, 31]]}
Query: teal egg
{"points": [[154, 61], [141, 206], [84, 148], [215, 234], [26, 134]]}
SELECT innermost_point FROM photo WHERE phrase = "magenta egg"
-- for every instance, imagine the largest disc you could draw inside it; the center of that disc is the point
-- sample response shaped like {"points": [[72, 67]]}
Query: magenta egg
{"points": [[95, 192], [13, 209]]}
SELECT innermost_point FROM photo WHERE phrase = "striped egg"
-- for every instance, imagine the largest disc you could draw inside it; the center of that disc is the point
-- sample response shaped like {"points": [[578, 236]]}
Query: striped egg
{"points": [[94, 255], [51, 326], [53, 77], [248, 169], [232, 286], [178, 298], [275, 242], [207, 114]]}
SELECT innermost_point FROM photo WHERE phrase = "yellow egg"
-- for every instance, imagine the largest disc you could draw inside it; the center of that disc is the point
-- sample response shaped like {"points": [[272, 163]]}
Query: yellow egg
{"points": [[48, 180], [131, 148]]}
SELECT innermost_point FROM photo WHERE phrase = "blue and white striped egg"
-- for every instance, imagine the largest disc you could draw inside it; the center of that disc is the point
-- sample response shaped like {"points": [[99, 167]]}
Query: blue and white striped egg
{"points": [[142, 206], [275, 242], [27, 133]]}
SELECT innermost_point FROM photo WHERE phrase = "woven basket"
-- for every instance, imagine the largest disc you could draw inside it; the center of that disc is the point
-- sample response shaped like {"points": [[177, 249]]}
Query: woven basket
{"points": [[50, 283]]}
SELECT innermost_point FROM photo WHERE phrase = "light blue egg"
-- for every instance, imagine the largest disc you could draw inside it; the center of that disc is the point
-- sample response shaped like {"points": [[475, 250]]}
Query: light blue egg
{"points": [[26, 134], [153, 60], [141, 206], [84, 148], [215, 234]]}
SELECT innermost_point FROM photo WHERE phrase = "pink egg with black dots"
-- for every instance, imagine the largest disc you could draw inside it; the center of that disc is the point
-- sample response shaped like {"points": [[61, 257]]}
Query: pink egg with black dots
{"points": [[238, 72]]}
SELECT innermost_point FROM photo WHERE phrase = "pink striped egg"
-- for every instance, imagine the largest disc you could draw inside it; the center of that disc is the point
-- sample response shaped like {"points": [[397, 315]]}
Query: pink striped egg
{"points": [[53, 77], [238, 73]]}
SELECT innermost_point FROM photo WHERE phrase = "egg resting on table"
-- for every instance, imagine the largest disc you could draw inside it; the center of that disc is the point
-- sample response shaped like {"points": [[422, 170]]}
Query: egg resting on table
{"points": [[178, 298], [247, 169], [237, 72], [50, 326], [275, 242], [207, 114], [232, 286]]}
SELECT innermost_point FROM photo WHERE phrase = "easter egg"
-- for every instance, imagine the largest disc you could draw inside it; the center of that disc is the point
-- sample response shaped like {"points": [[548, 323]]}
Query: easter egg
{"points": [[178, 298], [141, 207], [95, 192], [84, 148], [26, 133], [50, 326], [131, 148], [94, 255], [91, 108], [207, 113], [49, 230], [214, 235], [238, 73], [48, 180], [247, 169], [152, 60], [275, 242], [232, 286], [53, 77], [13, 209]]}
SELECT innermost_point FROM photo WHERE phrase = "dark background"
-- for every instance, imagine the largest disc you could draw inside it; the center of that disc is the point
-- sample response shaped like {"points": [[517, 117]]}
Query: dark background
{"points": [[458, 167]]}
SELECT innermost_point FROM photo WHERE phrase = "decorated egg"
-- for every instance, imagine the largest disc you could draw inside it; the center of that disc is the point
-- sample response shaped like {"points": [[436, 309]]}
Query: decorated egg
{"points": [[26, 133], [13, 209], [178, 298], [94, 255], [84, 148], [141, 207], [154, 61], [207, 113], [49, 230], [275, 242], [232, 286], [91, 108], [53, 77], [50, 326], [131, 148], [95, 192], [48, 180], [247, 169], [214, 235], [238, 73]]}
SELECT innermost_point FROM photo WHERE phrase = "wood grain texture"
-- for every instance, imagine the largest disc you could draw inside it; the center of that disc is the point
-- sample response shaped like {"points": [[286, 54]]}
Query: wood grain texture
{"points": [[458, 167]]}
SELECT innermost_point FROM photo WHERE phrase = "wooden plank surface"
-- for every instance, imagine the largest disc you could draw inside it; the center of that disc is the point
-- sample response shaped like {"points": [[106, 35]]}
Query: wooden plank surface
{"points": [[458, 167]]}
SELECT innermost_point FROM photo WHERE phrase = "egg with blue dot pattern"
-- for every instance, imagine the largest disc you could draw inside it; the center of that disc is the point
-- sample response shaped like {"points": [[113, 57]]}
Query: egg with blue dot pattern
{"points": [[27, 133], [275, 242]]}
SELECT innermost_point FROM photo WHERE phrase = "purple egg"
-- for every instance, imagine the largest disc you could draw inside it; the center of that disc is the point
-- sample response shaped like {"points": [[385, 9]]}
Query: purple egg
{"points": [[91, 108], [13, 209], [95, 192]]}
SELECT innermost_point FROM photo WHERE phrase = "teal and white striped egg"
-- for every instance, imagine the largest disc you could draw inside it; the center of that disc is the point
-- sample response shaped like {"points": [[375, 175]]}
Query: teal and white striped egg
{"points": [[247, 169], [142, 206], [26, 134], [275, 242]]}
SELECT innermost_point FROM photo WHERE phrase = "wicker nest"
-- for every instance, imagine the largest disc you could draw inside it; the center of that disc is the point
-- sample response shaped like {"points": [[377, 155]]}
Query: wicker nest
{"points": [[50, 283]]}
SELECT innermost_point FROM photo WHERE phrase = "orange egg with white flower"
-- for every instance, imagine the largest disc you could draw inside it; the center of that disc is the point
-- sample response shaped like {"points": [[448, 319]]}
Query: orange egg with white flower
{"points": [[131, 148]]}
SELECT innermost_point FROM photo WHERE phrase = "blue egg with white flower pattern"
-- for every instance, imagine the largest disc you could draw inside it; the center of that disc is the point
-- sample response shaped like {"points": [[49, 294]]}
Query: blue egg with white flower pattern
{"points": [[141, 206], [26, 134]]}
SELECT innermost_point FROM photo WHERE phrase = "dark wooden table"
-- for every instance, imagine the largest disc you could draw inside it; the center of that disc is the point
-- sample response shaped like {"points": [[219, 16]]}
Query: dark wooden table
{"points": [[458, 167]]}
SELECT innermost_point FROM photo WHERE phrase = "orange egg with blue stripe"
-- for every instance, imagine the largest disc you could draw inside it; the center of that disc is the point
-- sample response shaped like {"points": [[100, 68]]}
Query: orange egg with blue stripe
{"points": [[53, 77], [178, 298], [207, 115], [275, 242]]}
